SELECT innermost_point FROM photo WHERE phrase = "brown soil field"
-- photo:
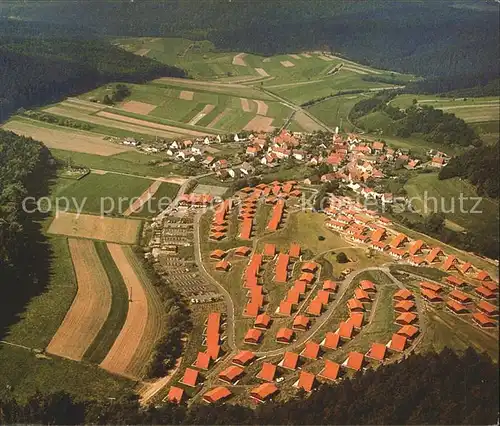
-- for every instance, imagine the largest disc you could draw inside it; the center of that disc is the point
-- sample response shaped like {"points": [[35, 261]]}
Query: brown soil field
{"points": [[245, 105], [116, 230], [144, 198], [260, 124], [155, 323], [262, 72], [142, 52], [89, 309], [151, 124], [132, 348], [287, 64], [295, 56], [138, 107], [307, 123], [206, 110], [214, 122], [95, 119], [261, 107], [70, 140], [239, 59], [187, 95]]}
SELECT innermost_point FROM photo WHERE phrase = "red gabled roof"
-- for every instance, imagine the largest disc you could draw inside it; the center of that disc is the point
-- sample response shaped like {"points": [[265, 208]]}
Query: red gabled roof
{"points": [[456, 306], [267, 372], [315, 307], [408, 331], [175, 395], [307, 277], [330, 371], [483, 320], [459, 296], [431, 295], [356, 319], [294, 250], [282, 268], [231, 373], [243, 357], [246, 229], [284, 334], [293, 296], [285, 308], [216, 394], [406, 318], [431, 286], [203, 360], [354, 361], [242, 251], [367, 285], [404, 306], [377, 351], [345, 329], [487, 308], [355, 304], [377, 235], [416, 247], [398, 240], [269, 250], [484, 292], [323, 296], [311, 350], [300, 286], [331, 340], [262, 320], [253, 336], [361, 295], [435, 252], [309, 267], [301, 321], [452, 279], [397, 343], [403, 294], [329, 285], [264, 391], [449, 262], [483, 276], [190, 377], [290, 360], [306, 381]]}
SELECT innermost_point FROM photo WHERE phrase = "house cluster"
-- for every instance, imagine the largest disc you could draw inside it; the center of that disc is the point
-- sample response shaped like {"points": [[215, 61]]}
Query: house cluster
{"points": [[437, 159], [181, 150]]}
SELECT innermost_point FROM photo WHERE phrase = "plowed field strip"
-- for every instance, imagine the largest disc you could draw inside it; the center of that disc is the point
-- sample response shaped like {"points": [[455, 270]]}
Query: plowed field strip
{"points": [[90, 308], [143, 199], [128, 341]]}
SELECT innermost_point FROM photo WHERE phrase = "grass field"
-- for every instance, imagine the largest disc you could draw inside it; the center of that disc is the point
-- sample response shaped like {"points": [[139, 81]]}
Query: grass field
{"points": [[95, 192], [335, 111], [109, 331], [26, 374], [425, 188]]}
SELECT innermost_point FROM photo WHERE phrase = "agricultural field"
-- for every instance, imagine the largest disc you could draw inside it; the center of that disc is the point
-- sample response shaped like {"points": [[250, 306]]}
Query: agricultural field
{"points": [[118, 230], [335, 111], [90, 307]]}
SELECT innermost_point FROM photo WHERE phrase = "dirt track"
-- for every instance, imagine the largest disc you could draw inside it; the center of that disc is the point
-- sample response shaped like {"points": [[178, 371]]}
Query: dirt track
{"points": [[143, 199], [69, 140], [206, 110], [128, 341], [90, 307]]}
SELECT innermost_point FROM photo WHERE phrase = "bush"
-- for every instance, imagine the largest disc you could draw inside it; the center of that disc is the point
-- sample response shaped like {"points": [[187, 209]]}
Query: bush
{"points": [[342, 257]]}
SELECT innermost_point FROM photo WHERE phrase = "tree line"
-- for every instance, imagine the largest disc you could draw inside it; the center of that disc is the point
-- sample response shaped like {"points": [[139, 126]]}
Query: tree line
{"points": [[26, 168], [443, 388], [36, 71]]}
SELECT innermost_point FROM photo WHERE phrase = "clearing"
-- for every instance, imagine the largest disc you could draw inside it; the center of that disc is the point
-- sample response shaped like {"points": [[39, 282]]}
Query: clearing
{"points": [[138, 107], [90, 307], [71, 140], [117, 230]]}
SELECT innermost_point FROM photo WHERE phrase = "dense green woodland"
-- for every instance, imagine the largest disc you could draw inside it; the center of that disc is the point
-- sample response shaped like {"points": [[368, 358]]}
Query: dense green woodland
{"points": [[37, 71], [436, 125], [25, 170], [455, 44], [479, 166], [423, 389]]}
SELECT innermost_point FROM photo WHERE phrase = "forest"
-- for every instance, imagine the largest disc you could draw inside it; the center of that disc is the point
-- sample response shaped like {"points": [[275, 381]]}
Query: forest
{"points": [[443, 388], [26, 169], [37, 71], [479, 166], [452, 44], [434, 124]]}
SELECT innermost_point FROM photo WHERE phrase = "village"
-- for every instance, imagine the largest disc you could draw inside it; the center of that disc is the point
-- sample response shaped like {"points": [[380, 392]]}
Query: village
{"points": [[291, 323]]}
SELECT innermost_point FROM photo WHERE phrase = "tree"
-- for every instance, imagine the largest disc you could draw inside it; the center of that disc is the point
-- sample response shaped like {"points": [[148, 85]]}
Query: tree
{"points": [[342, 257]]}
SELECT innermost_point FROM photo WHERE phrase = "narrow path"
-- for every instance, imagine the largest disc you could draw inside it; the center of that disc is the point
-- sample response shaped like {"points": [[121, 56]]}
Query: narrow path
{"points": [[16, 345]]}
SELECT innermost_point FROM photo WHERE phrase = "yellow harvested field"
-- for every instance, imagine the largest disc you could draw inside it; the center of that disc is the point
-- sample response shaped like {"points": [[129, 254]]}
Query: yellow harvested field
{"points": [[267, 60], [245, 105], [295, 56], [261, 107], [262, 72], [214, 122], [287, 64], [69, 140], [307, 123], [325, 58], [260, 124], [89, 309], [187, 95], [138, 107], [144, 123], [113, 229], [143, 199], [119, 358], [95, 119], [206, 110], [239, 59], [306, 55]]}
